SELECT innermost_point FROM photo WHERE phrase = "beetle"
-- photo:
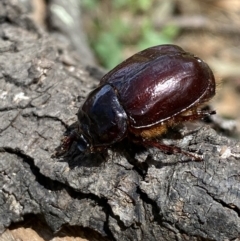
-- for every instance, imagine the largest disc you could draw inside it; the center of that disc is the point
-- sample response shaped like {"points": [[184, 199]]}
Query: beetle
{"points": [[142, 97]]}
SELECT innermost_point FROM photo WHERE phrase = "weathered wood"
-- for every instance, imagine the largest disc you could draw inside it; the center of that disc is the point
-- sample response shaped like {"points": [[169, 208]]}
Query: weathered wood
{"points": [[128, 193]]}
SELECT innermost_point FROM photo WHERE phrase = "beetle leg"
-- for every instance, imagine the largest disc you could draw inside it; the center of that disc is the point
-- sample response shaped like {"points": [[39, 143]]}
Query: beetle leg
{"points": [[66, 143], [171, 149], [199, 114]]}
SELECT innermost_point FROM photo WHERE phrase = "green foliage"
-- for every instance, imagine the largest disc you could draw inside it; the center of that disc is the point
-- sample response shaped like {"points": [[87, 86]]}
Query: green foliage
{"points": [[133, 5], [108, 48], [89, 4], [118, 24], [151, 37], [108, 44]]}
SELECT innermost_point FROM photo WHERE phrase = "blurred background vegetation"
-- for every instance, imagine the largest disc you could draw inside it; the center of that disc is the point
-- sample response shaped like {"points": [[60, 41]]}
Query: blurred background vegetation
{"points": [[116, 29]]}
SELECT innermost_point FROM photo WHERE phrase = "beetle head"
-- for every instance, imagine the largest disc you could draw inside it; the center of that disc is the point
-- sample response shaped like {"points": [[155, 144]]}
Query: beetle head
{"points": [[82, 143]]}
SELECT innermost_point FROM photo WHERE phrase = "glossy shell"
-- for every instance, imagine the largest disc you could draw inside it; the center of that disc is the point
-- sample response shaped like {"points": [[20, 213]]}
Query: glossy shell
{"points": [[144, 92], [159, 83], [102, 118]]}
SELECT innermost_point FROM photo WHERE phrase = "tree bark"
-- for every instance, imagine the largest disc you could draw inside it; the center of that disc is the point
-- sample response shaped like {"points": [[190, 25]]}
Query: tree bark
{"points": [[128, 193]]}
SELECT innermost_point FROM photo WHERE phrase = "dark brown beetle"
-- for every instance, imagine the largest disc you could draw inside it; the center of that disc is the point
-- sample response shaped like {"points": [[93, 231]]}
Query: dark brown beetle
{"points": [[140, 98]]}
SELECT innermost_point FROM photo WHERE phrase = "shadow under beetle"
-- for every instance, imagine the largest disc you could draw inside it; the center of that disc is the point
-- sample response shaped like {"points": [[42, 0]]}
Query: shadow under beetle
{"points": [[141, 98]]}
